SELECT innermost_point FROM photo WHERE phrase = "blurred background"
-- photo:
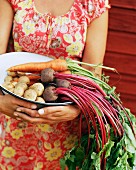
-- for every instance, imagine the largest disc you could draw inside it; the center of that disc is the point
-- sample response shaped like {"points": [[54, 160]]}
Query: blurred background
{"points": [[121, 50]]}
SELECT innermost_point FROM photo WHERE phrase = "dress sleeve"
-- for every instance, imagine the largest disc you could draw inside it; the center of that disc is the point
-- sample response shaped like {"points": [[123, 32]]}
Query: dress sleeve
{"points": [[13, 4], [94, 8]]}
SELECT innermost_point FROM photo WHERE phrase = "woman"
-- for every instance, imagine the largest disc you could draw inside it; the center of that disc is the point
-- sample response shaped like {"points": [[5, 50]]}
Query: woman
{"points": [[76, 29]]}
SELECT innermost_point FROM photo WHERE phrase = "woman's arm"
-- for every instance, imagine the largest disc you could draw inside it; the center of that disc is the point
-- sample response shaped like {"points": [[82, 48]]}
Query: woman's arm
{"points": [[96, 42], [6, 18]]}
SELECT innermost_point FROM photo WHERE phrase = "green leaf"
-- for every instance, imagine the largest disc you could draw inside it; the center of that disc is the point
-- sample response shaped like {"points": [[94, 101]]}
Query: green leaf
{"points": [[72, 158], [96, 160], [122, 163], [130, 140], [108, 148], [132, 117], [80, 154], [116, 152], [62, 164], [112, 90], [85, 165], [97, 157]]}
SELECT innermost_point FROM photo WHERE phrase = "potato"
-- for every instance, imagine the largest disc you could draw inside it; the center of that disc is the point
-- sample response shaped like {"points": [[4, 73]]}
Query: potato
{"points": [[14, 83], [19, 73], [38, 87], [22, 85], [11, 90], [24, 79], [40, 99], [8, 85], [30, 94], [8, 79], [19, 90], [12, 73]]}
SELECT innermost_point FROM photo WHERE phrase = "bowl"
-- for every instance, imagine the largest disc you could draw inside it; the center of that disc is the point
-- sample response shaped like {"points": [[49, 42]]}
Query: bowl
{"points": [[10, 59]]}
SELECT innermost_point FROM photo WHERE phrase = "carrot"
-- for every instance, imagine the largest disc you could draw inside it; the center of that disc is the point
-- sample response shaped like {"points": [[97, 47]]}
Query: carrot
{"points": [[65, 72], [33, 77], [32, 82], [56, 65], [16, 79]]}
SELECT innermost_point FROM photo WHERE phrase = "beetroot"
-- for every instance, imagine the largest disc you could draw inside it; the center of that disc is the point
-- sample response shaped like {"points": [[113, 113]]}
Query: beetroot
{"points": [[47, 75], [49, 94], [63, 83]]}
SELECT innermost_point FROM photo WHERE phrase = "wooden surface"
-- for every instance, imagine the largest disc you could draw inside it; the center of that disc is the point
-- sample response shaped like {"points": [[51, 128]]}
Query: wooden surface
{"points": [[130, 4], [122, 19], [121, 42], [121, 50]]}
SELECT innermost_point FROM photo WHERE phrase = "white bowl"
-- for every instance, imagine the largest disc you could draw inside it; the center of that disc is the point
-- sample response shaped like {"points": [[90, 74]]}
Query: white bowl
{"points": [[10, 59]]}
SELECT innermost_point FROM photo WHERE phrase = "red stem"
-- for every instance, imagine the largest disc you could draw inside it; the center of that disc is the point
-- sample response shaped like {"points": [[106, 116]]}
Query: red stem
{"points": [[83, 109], [81, 79], [108, 113]]}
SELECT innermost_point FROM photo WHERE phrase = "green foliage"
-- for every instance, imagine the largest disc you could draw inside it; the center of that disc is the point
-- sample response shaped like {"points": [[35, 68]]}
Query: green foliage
{"points": [[120, 154]]}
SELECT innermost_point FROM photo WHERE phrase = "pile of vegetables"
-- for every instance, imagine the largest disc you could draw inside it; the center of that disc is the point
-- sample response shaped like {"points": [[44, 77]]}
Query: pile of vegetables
{"points": [[110, 141], [26, 86]]}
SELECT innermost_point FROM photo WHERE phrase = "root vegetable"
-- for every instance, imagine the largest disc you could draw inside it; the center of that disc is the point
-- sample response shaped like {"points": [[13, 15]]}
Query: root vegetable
{"points": [[65, 72], [24, 79], [38, 87], [14, 83], [15, 79], [59, 65], [56, 65], [22, 85], [18, 90], [19, 73], [47, 75], [33, 77], [40, 99], [30, 94], [8, 85], [8, 79], [12, 74], [62, 83], [11, 90], [32, 82], [49, 94]]}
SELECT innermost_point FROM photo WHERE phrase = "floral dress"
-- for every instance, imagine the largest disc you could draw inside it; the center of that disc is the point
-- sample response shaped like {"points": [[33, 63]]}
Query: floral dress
{"points": [[25, 146]]}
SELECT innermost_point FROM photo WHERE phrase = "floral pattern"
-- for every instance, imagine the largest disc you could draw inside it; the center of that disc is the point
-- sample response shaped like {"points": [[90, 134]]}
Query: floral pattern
{"points": [[8, 152], [52, 36], [25, 146]]}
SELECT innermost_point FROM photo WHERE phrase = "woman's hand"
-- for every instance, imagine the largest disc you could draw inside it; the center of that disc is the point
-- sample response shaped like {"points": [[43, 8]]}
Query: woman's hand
{"points": [[50, 115], [9, 104]]}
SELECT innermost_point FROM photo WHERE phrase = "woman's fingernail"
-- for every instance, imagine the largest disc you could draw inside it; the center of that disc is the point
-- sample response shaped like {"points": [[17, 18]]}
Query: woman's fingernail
{"points": [[15, 114], [41, 111], [33, 107], [18, 109]]}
